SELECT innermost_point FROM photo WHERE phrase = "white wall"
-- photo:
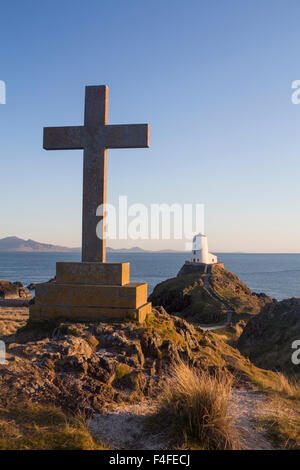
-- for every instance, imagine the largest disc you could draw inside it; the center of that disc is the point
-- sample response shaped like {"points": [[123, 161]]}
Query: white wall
{"points": [[200, 252]]}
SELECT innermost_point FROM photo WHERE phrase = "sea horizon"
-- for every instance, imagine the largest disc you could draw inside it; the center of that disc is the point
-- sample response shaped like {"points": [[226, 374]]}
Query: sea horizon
{"points": [[141, 251], [275, 274]]}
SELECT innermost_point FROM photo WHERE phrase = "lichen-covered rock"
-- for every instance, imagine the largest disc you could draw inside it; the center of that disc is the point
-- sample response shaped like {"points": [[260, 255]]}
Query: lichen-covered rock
{"points": [[75, 347], [89, 366]]}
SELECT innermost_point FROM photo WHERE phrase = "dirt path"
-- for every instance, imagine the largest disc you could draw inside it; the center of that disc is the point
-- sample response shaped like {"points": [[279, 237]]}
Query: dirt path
{"points": [[213, 327], [122, 427], [245, 407], [226, 305]]}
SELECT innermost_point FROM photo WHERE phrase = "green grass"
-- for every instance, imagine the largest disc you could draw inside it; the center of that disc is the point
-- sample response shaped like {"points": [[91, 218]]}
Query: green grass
{"points": [[31, 426], [122, 370]]}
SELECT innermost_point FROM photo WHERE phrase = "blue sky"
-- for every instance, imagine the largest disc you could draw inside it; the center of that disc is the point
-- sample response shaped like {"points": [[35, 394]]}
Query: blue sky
{"points": [[213, 79]]}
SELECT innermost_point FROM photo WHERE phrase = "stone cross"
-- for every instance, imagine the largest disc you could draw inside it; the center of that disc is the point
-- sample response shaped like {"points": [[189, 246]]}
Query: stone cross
{"points": [[95, 137]]}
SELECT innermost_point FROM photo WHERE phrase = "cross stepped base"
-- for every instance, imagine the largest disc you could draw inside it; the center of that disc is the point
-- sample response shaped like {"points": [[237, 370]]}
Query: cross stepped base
{"points": [[90, 292]]}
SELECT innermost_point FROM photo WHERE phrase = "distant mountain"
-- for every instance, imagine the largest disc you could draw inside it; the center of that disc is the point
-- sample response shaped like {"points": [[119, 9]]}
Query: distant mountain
{"points": [[13, 244], [137, 249], [18, 244], [134, 249]]}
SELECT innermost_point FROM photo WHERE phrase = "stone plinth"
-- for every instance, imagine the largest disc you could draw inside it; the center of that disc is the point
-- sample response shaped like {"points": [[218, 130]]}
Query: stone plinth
{"points": [[190, 267], [93, 273], [90, 292]]}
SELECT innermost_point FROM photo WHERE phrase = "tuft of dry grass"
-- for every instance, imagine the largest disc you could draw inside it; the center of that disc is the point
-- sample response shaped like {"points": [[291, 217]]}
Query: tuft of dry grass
{"points": [[288, 386], [194, 409]]}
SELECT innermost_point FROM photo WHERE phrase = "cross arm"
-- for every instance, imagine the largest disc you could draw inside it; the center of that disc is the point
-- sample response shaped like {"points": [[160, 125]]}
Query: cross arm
{"points": [[63, 138], [127, 136]]}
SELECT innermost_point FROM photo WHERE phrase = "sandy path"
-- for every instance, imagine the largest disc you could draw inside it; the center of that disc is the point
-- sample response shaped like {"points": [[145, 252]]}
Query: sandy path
{"points": [[245, 407], [214, 327], [122, 427]]}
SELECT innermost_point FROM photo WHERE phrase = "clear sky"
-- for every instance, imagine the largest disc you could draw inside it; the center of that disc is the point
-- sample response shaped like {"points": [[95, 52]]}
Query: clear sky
{"points": [[213, 79]]}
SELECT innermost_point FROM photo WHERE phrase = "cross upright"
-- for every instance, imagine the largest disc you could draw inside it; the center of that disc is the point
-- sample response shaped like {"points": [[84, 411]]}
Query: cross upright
{"points": [[95, 137]]}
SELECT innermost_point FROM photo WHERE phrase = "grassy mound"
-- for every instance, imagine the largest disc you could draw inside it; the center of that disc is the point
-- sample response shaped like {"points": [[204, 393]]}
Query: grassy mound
{"points": [[206, 298], [228, 287]]}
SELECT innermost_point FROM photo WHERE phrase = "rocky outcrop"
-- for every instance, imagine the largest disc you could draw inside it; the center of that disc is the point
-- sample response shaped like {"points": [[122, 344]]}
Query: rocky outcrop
{"points": [[268, 337], [89, 366], [13, 290], [31, 286], [207, 297]]}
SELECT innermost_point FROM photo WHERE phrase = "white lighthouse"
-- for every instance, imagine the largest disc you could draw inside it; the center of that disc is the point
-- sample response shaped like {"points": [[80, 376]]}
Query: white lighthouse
{"points": [[200, 252]]}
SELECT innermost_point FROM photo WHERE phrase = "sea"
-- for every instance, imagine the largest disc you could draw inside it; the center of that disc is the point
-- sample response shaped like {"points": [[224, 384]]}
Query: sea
{"points": [[277, 275]]}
